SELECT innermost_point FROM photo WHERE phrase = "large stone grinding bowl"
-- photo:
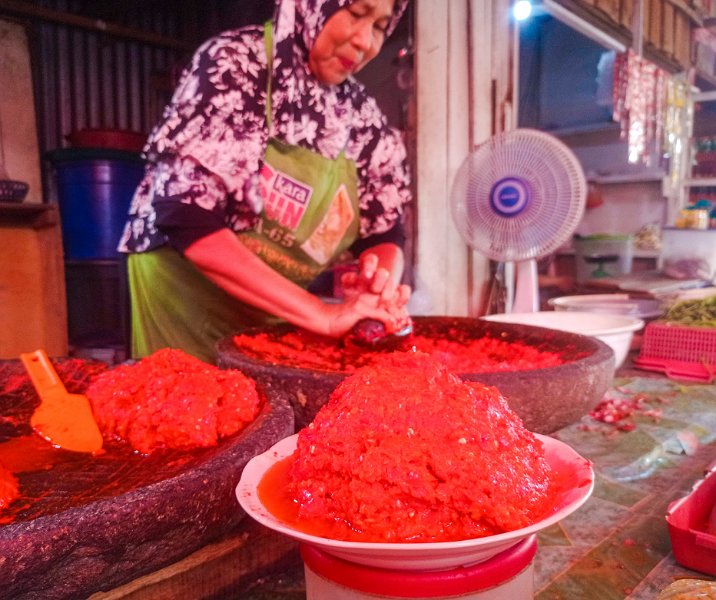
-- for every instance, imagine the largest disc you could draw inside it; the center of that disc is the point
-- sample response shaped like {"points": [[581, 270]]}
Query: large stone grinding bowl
{"points": [[92, 523], [546, 399]]}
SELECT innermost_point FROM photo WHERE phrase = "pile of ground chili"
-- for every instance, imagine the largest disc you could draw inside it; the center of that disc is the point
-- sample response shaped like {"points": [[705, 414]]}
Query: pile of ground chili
{"points": [[172, 400], [9, 488], [408, 452], [306, 350]]}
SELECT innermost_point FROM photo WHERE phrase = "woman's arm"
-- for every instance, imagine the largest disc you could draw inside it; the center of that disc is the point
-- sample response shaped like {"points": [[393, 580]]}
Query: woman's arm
{"points": [[237, 270]]}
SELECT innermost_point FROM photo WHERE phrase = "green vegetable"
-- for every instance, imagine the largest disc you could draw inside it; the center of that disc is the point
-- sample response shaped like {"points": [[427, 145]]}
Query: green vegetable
{"points": [[697, 313]]}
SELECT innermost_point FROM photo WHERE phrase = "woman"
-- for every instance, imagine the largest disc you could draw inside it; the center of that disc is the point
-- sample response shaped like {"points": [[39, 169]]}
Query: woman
{"points": [[270, 162]]}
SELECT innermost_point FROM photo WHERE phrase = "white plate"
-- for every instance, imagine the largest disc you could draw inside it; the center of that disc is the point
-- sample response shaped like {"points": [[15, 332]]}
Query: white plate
{"points": [[569, 465]]}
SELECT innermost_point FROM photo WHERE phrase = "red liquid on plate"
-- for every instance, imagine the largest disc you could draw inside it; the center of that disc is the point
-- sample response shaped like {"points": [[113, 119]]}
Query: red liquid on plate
{"points": [[273, 493]]}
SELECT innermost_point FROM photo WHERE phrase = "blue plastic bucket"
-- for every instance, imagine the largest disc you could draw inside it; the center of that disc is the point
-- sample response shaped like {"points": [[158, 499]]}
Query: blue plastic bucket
{"points": [[94, 189]]}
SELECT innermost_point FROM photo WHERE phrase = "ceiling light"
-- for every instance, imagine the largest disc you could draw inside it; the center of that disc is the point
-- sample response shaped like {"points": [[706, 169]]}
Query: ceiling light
{"points": [[522, 9]]}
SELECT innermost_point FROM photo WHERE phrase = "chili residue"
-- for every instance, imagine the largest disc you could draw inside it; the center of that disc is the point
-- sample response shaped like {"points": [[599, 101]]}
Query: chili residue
{"points": [[9, 488], [405, 451], [306, 350], [172, 400]]}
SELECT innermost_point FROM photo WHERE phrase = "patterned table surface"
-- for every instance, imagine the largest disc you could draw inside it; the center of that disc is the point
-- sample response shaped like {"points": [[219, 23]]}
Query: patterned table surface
{"points": [[617, 545]]}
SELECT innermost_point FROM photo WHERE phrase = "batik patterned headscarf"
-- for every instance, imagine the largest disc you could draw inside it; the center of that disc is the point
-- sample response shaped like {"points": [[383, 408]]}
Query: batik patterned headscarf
{"points": [[303, 20]]}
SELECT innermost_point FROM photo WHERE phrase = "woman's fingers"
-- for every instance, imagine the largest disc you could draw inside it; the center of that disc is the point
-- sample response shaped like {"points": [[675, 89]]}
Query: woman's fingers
{"points": [[370, 278], [371, 293], [368, 266], [403, 295], [349, 282], [382, 283]]}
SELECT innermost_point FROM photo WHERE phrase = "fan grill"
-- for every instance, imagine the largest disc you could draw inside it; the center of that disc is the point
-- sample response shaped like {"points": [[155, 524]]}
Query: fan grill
{"points": [[555, 184]]}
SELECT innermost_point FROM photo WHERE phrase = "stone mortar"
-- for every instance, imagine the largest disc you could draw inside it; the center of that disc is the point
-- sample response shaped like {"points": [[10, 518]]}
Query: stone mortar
{"points": [[546, 399], [91, 524]]}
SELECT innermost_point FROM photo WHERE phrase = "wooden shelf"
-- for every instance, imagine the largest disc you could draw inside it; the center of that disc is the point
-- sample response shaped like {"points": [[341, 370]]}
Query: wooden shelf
{"points": [[701, 182], [35, 215], [594, 128], [705, 80], [627, 178]]}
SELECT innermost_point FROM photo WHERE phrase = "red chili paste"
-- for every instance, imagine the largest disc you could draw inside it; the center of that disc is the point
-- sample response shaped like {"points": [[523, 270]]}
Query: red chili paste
{"points": [[172, 400], [309, 351], [407, 452], [9, 488]]}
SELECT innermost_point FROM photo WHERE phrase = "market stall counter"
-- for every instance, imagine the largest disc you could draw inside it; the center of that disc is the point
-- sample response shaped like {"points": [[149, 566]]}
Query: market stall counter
{"points": [[650, 441]]}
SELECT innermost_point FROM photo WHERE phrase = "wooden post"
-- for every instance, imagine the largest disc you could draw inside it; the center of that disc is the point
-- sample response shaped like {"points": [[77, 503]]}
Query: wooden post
{"points": [[638, 26], [442, 130], [463, 96], [667, 39]]}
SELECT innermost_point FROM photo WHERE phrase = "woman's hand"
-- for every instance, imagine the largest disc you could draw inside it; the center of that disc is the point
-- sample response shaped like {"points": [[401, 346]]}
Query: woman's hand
{"points": [[378, 287], [391, 311], [376, 278]]}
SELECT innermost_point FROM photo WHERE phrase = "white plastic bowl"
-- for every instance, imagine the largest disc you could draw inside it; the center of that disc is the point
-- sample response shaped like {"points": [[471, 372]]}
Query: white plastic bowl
{"points": [[615, 304], [574, 471], [616, 331]]}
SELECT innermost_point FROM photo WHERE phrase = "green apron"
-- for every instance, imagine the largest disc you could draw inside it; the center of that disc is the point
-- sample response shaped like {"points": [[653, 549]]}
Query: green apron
{"points": [[310, 216]]}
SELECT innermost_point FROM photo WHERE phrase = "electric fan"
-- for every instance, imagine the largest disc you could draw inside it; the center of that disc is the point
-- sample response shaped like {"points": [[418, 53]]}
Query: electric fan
{"points": [[516, 198]]}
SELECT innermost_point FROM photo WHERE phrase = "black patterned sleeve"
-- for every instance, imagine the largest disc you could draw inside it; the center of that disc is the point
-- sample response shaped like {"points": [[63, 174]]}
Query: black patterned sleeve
{"points": [[384, 178], [217, 114]]}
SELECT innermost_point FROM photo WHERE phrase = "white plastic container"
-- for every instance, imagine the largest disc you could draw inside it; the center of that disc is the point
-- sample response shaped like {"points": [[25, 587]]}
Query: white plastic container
{"points": [[506, 576], [689, 253]]}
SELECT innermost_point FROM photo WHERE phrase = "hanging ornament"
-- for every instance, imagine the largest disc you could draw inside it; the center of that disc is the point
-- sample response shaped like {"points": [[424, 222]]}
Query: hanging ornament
{"points": [[678, 127], [639, 96]]}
